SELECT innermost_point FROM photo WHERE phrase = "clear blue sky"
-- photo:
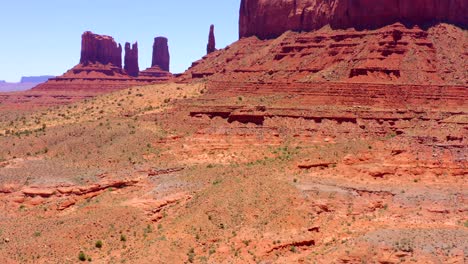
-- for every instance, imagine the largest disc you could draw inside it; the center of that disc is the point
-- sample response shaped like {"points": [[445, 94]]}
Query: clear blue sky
{"points": [[43, 37]]}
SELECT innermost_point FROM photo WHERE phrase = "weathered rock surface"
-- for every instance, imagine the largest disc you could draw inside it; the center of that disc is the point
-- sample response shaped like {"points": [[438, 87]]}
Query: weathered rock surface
{"points": [[100, 49], [211, 47], [131, 59], [271, 18], [161, 56]]}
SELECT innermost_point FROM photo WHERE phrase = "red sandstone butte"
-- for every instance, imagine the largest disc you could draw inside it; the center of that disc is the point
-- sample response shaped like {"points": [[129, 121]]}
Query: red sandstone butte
{"points": [[131, 59], [161, 56], [211, 47], [159, 69], [270, 18], [100, 49]]}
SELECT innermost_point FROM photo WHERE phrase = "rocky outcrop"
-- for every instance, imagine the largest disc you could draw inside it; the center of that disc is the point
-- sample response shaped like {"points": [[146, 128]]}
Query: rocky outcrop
{"points": [[270, 18], [161, 56], [100, 49], [131, 59], [211, 47]]}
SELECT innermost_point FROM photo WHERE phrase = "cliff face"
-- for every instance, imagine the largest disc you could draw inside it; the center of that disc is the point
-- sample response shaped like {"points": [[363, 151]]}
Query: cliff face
{"points": [[100, 49], [131, 59], [270, 18], [161, 53]]}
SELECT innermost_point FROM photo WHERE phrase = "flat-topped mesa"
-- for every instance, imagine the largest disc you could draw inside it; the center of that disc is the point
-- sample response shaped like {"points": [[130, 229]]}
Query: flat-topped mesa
{"points": [[271, 18], [211, 47], [161, 56], [100, 49], [131, 59]]}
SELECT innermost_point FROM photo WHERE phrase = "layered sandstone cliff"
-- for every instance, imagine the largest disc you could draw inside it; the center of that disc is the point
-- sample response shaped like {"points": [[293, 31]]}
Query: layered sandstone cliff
{"points": [[271, 18]]}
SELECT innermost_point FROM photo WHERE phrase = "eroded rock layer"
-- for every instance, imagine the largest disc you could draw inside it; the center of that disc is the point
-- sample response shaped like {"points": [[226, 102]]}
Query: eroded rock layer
{"points": [[271, 18]]}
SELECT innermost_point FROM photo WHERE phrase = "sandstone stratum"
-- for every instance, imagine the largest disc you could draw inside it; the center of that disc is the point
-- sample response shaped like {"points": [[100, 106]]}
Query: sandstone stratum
{"points": [[330, 132]]}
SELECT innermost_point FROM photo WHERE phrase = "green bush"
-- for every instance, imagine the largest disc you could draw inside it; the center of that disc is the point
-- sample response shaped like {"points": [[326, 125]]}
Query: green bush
{"points": [[82, 256], [99, 244]]}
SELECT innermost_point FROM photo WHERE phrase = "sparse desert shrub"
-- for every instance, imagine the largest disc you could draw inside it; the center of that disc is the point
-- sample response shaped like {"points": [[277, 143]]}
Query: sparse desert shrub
{"points": [[404, 245], [123, 238], [98, 244], [191, 255], [81, 256]]}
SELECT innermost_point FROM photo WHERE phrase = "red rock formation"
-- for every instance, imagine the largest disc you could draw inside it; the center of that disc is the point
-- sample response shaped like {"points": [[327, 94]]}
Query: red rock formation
{"points": [[100, 49], [211, 47], [100, 68], [131, 59], [271, 18], [161, 56]]}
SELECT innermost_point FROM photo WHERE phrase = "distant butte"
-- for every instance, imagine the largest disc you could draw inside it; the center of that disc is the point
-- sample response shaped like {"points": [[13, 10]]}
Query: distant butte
{"points": [[100, 68], [160, 64], [161, 56]]}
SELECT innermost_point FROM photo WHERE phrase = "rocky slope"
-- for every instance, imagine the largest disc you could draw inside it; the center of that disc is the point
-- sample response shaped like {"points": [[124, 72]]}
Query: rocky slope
{"points": [[393, 54], [271, 18]]}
